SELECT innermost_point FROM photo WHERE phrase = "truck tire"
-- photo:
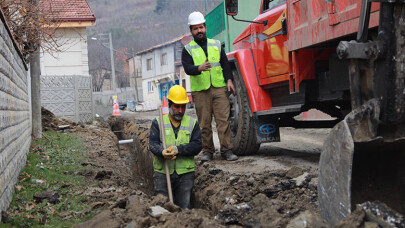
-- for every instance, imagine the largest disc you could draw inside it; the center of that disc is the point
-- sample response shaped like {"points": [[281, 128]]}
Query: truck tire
{"points": [[242, 125]]}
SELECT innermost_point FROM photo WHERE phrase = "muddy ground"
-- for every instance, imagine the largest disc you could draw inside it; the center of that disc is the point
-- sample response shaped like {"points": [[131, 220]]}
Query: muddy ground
{"points": [[275, 188]]}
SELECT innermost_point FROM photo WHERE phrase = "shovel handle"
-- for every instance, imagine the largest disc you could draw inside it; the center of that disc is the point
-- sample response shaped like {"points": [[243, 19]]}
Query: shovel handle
{"points": [[163, 139]]}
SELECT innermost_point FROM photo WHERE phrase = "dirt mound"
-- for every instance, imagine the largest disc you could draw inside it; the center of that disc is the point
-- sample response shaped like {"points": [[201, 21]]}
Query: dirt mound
{"points": [[50, 122], [267, 199]]}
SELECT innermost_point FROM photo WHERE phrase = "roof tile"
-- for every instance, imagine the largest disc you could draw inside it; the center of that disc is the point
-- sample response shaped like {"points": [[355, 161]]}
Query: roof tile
{"points": [[67, 10]]}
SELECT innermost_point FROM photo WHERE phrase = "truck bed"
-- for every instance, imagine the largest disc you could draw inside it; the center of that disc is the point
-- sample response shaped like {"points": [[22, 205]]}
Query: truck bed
{"points": [[317, 21]]}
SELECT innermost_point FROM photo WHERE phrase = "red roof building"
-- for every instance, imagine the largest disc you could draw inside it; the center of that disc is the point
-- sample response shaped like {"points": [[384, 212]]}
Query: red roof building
{"points": [[68, 11]]}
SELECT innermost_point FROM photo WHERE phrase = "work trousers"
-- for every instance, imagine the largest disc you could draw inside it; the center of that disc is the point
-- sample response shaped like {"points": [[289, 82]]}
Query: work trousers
{"points": [[182, 186], [213, 101]]}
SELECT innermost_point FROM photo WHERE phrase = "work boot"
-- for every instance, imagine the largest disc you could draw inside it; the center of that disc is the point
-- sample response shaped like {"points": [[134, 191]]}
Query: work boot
{"points": [[207, 156], [229, 156]]}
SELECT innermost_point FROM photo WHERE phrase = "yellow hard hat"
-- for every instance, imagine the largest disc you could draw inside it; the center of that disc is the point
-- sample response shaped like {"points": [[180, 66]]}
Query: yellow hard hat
{"points": [[178, 95]]}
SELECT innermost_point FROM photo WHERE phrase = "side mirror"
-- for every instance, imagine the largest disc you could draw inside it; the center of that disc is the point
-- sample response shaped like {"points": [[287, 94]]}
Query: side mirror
{"points": [[231, 7]]}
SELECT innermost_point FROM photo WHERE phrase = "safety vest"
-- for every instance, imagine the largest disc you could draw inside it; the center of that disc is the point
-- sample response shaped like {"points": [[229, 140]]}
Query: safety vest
{"points": [[215, 76], [182, 164]]}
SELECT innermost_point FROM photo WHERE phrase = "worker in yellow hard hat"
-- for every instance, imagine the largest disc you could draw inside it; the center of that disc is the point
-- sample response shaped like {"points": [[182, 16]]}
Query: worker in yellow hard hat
{"points": [[183, 139], [211, 82]]}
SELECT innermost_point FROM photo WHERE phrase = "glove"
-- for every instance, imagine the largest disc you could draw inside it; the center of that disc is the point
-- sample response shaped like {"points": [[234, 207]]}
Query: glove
{"points": [[170, 153]]}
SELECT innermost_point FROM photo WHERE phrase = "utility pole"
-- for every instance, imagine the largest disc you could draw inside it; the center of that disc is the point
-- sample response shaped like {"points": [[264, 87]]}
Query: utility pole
{"points": [[112, 62], [135, 75], [35, 69]]}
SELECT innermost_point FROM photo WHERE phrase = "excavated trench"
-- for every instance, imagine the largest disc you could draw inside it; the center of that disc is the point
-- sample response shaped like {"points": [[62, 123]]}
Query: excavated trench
{"points": [[228, 193], [247, 199]]}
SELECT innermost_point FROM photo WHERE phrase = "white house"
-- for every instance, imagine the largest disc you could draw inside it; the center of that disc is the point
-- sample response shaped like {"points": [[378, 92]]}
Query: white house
{"points": [[161, 69], [66, 88], [73, 17]]}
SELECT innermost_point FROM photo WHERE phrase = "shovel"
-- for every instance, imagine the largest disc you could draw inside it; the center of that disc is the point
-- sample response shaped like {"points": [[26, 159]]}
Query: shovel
{"points": [[163, 137]]}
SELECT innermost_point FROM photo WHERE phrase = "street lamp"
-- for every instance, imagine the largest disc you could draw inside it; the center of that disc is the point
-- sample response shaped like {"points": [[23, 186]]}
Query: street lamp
{"points": [[111, 56]]}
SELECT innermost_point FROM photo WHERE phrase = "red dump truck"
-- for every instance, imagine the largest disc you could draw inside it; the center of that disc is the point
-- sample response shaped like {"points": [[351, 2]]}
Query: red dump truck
{"points": [[345, 58]]}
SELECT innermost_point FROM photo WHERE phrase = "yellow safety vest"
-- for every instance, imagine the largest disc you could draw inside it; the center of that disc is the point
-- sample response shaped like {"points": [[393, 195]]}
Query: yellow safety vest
{"points": [[182, 164], [215, 76]]}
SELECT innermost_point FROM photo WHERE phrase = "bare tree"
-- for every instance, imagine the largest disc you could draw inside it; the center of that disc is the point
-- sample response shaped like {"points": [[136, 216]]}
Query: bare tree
{"points": [[99, 65], [32, 24]]}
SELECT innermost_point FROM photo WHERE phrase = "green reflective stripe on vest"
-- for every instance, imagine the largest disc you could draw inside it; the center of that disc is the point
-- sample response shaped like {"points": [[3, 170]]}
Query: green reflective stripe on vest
{"points": [[206, 78], [182, 164]]}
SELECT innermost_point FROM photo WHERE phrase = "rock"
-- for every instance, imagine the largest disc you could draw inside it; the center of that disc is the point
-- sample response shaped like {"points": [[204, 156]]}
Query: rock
{"points": [[271, 190], [313, 184], [214, 171], [287, 184], [51, 196], [294, 172], [228, 215], [302, 180], [159, 200], [382, 214], [157, 211], [131, 224], [250, 181], [233, 180], [307, 220]]}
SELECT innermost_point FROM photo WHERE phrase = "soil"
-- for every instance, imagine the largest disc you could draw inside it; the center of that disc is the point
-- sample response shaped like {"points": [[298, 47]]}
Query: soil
{"points": [[275, 188]]}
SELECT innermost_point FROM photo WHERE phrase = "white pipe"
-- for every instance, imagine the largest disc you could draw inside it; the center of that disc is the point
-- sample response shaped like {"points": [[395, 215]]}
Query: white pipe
{"points": [[125, 141]]}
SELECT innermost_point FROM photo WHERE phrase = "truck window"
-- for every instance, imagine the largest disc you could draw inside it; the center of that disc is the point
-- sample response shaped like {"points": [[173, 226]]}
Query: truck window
{"points": [[270, 4]]}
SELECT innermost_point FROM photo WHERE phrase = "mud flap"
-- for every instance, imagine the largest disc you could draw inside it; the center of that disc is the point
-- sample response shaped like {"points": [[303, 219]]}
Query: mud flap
{"points": [[267, 130]]}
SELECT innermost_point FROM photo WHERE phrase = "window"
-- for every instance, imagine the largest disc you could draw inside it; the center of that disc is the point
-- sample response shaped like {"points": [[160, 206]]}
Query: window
{"points": [[149, 64], [270, 4], [163, 59], [150, 87]]}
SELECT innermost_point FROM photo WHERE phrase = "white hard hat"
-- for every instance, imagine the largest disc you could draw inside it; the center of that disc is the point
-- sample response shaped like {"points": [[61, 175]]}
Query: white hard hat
{"points": [[196, 18]]}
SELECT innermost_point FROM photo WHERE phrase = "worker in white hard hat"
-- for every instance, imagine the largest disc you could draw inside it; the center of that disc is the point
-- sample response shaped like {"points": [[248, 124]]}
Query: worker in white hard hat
{"points": [[211, 82], [183, 138]]}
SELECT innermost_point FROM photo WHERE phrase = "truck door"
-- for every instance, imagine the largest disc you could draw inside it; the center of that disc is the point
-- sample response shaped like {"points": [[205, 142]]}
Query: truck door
{"points": [[269, 52]]}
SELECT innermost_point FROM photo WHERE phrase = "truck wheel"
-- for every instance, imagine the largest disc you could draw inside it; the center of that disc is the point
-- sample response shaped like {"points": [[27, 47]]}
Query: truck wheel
{"points": [[242, 125]]}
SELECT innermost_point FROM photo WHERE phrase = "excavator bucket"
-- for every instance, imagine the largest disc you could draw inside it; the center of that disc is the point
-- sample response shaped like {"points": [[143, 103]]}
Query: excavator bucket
{"points": [[357, 166]]}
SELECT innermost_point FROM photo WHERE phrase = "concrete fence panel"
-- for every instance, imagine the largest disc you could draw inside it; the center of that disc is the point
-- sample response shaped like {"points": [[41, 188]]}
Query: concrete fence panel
{"points": [[68, 97]]}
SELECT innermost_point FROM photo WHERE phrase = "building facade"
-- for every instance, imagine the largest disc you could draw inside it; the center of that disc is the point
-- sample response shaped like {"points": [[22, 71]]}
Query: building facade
{"points": [[161, 69]]}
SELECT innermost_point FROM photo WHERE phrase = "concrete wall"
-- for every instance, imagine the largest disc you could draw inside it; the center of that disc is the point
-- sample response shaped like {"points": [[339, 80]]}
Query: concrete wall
{"points": [[73, 56], [103, 103], [15, 113]]}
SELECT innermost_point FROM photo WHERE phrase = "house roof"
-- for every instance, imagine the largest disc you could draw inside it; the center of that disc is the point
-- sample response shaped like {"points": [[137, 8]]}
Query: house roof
{"points": [[161, 45], [67, 10]]}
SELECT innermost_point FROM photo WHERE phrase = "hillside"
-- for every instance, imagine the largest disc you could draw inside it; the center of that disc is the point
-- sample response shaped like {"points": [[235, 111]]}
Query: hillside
{"points": [[140, 24]]}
